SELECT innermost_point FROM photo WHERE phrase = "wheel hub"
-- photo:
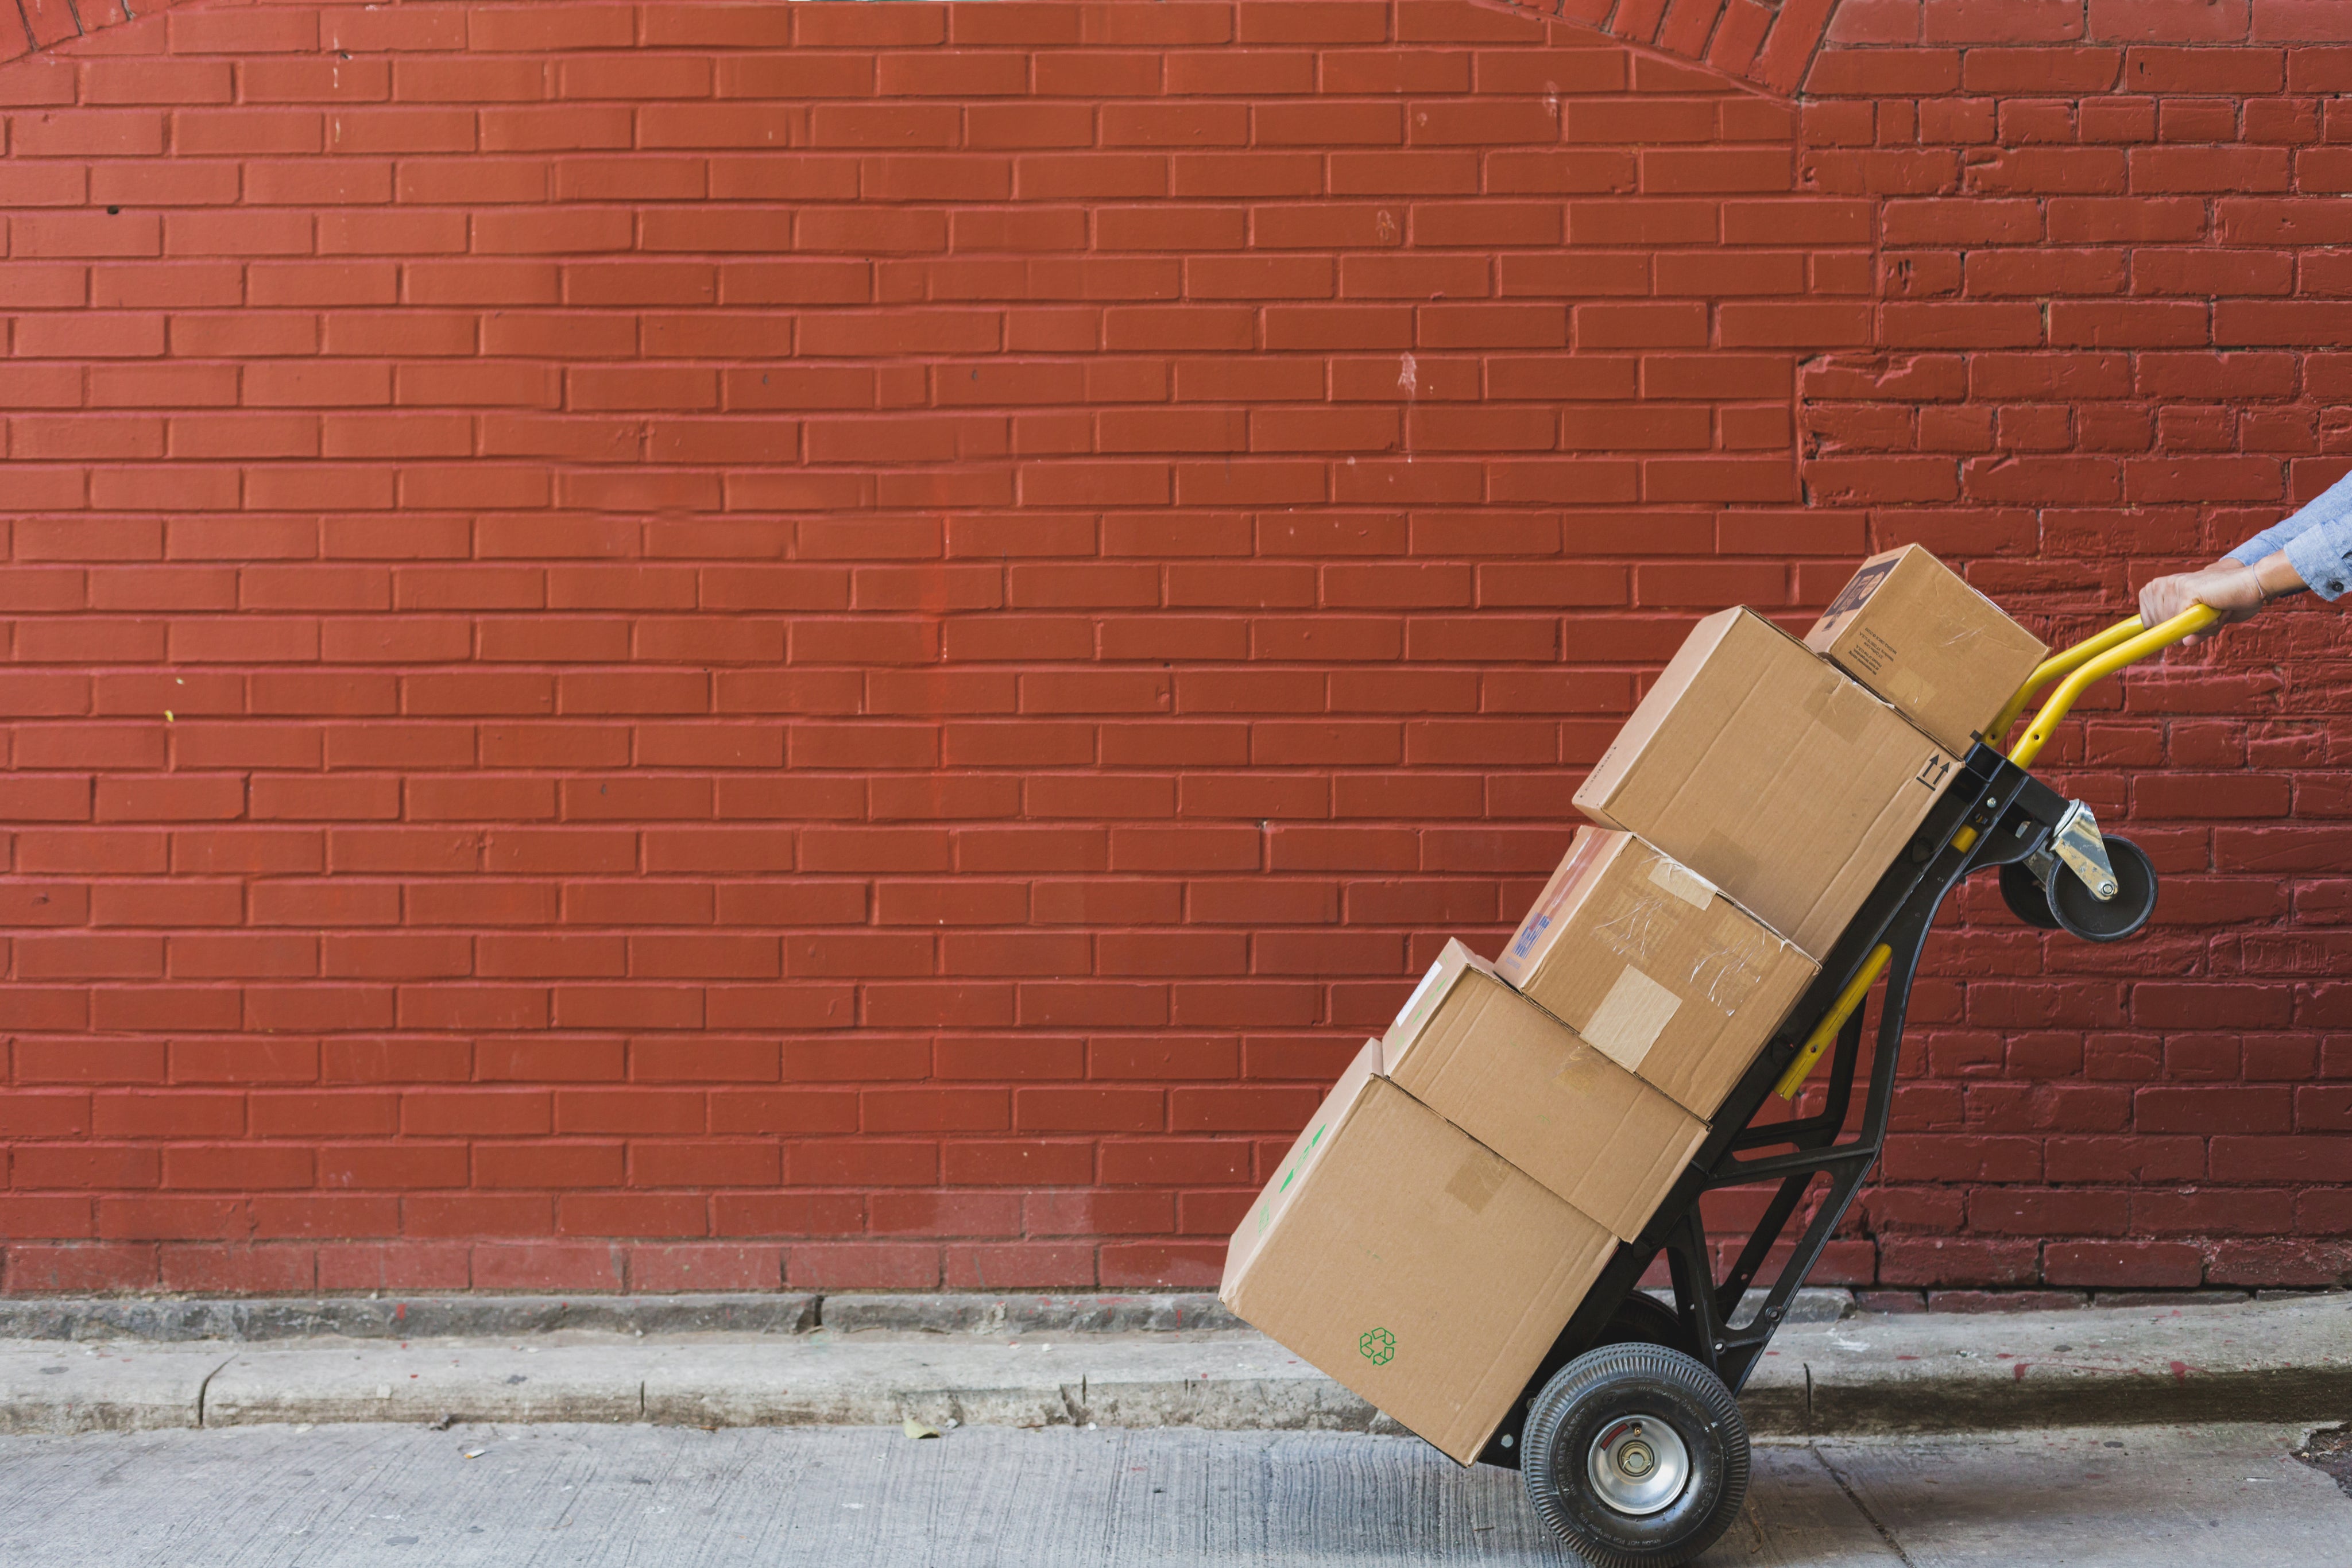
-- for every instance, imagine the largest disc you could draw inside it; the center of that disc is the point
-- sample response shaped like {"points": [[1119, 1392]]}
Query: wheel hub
{"points": [[1638, 1465]]}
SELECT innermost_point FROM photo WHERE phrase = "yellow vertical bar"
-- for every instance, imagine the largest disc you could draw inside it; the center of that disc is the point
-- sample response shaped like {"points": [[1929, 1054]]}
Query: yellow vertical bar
{"points": [[1834, 1021]]}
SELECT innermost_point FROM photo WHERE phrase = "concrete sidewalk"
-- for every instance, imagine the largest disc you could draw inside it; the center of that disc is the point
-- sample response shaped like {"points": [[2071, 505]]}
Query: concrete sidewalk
{"points": [[630, 1496], [1005, 1362]]}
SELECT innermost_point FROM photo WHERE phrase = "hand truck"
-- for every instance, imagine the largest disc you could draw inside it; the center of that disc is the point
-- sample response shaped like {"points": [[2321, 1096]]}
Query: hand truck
{"points": [[1628, 1436]]}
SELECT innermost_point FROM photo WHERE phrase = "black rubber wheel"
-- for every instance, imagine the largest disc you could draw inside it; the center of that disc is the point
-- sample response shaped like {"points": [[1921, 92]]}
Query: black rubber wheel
{"points": [[2022, 891], [2079, 914], [1636, 1456], [1645, 1320]]}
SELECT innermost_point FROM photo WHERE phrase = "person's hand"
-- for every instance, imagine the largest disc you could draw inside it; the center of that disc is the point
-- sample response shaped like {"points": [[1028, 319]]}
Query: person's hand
{"points": [[2227, 585]]}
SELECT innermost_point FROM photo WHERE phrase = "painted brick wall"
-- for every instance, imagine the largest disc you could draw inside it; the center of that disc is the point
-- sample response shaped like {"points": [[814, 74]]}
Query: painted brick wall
{"points": [[693, 645], [2108, 337]]}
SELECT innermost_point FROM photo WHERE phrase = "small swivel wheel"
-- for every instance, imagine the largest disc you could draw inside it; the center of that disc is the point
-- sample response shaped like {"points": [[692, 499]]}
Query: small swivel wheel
{"points": [[1636, 1456], [2074, 910]]}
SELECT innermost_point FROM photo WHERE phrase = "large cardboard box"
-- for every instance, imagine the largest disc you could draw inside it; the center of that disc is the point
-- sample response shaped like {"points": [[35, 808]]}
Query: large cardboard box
{"points": [[1649, 961], [1769, 773], [1912, 629], [1522, 1082], [1394, 1252]]}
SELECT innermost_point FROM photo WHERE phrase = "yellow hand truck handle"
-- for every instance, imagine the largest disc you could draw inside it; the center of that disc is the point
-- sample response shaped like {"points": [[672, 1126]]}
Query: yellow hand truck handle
{"points": [[2126, 643], [2055, 666], [2094, 658]]}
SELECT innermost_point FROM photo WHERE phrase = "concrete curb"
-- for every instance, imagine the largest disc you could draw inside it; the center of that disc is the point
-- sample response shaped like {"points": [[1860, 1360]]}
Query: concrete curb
{"points": [[2261, 1361], [2276, 1361], [106, 1391], [167, 1321]]}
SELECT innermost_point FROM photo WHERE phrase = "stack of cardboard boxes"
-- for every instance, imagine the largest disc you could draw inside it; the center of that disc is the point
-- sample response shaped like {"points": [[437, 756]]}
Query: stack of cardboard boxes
{"points": [[1442, 1215]]}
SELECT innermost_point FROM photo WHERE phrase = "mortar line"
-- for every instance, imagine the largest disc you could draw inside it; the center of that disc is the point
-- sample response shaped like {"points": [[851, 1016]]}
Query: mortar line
{"points": [[1860, 1507]]}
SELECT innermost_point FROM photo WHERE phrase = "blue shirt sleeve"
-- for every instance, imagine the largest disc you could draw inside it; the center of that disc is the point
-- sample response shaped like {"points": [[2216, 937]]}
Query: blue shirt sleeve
{"points": [[2317, 541]]}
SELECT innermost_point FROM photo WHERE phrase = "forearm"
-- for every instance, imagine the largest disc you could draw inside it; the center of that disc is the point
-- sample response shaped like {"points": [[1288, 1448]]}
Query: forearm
{"points": [[2312, 549], [2278, 575], [2275, 575], [2331, 508]]}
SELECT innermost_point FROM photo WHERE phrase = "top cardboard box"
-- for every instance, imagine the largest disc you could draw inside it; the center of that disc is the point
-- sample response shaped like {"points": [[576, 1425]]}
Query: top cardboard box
{"points": [[1396, 1253], [1769, 773], [1910, 629]]}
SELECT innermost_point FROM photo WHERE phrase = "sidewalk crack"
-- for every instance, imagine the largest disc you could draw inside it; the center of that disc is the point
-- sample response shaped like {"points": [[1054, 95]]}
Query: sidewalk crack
{"points": [[1860, 1507], [202, 1388]]}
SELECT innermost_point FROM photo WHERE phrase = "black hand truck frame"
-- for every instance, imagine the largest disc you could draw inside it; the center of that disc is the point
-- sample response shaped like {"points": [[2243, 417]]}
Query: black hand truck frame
{"points": [[1627, 1433]]}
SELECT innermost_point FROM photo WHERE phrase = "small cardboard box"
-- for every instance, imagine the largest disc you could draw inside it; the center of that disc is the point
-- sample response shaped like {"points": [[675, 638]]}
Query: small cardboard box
{"points": [[1649, 961], [1912, 629], [1767, 771], [1394, 1252], [1522, 1082]]}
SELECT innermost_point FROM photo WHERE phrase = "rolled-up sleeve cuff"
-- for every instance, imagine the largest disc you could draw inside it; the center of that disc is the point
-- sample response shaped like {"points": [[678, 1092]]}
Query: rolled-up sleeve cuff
{"points": [[2326, 512], [2321, 557]]}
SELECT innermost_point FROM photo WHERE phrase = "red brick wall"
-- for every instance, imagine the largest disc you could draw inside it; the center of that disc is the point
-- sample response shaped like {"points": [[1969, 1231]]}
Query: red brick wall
{"points": [[684, 646], [2107, 341]]}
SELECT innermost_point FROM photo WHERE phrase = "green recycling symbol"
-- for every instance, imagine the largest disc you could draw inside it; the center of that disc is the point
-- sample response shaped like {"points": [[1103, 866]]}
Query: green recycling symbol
{"points": [[1379, 1346]]}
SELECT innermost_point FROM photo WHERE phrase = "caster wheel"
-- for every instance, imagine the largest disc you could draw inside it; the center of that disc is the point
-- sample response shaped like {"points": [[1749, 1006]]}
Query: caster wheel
{"points": [[1645, 1320], [1636, 1456], [2073, 909], [2021, 891]]}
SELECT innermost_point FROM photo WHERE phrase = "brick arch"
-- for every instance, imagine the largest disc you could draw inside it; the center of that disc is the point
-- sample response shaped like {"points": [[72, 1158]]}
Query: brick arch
{"points": [[1768, 45], [44, 24]]}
